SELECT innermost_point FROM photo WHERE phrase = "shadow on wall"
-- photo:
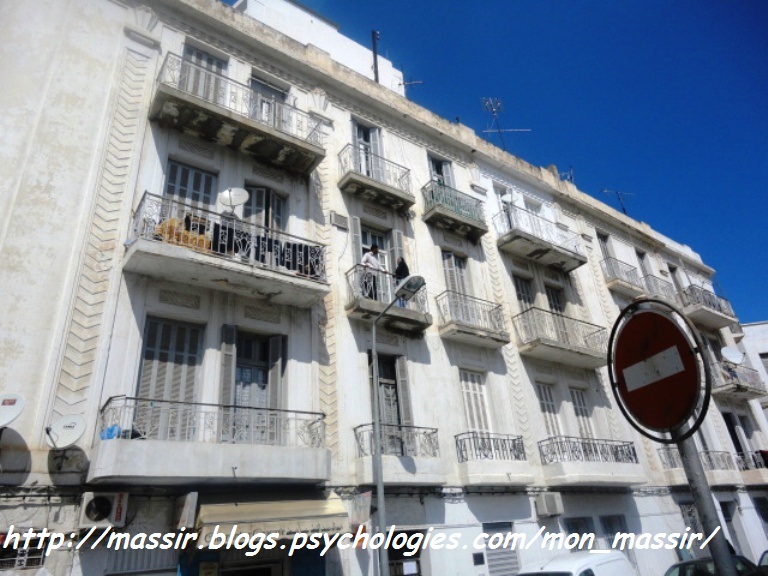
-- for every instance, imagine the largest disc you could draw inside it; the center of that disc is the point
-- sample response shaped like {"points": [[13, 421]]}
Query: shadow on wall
{"points": [[15, 458]]}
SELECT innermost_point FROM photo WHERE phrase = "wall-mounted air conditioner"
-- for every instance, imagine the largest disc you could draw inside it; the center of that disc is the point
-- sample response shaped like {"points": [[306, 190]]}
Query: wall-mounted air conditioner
{"points": [[103, 509], [549, 504]]}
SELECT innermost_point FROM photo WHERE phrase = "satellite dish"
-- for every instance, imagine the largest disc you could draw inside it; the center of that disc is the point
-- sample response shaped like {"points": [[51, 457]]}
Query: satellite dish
{"points": [[11, 406], [732, 354], [232, 197], [65, 431], [507, 198]]}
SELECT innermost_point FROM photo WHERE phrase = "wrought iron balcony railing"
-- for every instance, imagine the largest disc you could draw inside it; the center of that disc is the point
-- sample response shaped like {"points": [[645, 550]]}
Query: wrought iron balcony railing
{"points": [[456, 307], [361, 160], [574, 449], [146, 419], [537, 323], [513, 218], [379, 285], [696, 295], [399, 441], [438, 194], [658, 287], [614, 269], [751, 460], [741, 375], [489, 446], [172, 221], [195, 80], [710, 459]]}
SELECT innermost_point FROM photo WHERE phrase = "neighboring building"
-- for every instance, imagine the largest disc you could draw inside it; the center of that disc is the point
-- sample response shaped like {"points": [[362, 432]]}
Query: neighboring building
{"points": [[218, 345]]}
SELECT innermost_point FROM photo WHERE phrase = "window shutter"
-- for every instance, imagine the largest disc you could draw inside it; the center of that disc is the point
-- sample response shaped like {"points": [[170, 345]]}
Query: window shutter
{"points": [[397, 250], [357, 238], [275, 370], [228, 361], [448, 174], [403, 391], [449, 268]]}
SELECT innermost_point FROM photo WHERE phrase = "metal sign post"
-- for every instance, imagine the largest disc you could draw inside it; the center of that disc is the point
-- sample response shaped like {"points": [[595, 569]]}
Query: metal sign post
{"points": [[661, 381]]}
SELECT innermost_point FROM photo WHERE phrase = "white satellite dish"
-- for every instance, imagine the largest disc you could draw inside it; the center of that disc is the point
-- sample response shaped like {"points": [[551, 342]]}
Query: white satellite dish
{"points": [[11, 406], [232, 197], [507, 198], [732, 354], [65, 431]]}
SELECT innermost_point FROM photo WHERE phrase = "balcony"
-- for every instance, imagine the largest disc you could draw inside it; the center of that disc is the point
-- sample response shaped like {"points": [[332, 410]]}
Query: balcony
{"points": [[574, 461], [161, 442], [753, 466], [487, 459], [471, 320], [374, 178], [719, 467], [177, 242], [370, 291], [201, 102], [658, 288], [528, 235], [707, 308], [410, 455], [737, 382], [452, 210], [737, 331], [622, 278], [553, 337]]}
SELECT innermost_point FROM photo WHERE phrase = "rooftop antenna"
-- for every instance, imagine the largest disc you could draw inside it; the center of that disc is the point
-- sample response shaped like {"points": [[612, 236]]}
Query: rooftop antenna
{"points": [[567, 176], [375, 37], [493, 105], [405, 83], [620, 196]]}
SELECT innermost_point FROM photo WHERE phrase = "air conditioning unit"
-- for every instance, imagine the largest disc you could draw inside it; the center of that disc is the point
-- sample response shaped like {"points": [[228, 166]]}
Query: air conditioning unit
{"points": [[549, 504], [102, 509]]}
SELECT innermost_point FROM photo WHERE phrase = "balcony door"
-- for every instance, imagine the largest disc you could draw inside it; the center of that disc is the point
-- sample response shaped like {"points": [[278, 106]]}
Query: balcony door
{"points": [[191, 186], [395, 406], [201, 75], [367, 145], [548, 408], [170, 362], [455, 272], [441, 171], [556, 303], [265, 208], [266, 107]]}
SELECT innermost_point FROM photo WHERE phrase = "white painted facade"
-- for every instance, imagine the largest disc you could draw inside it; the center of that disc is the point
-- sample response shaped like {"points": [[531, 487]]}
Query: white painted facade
{"points": [[116, 117]]}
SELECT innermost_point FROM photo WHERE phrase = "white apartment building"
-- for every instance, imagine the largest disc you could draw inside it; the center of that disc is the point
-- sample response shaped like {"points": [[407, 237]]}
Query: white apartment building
{"points": [[188, 357]]}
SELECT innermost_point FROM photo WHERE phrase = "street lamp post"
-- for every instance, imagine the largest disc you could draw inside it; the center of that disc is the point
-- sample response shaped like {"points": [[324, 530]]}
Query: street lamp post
{"points": [[406, 290]]}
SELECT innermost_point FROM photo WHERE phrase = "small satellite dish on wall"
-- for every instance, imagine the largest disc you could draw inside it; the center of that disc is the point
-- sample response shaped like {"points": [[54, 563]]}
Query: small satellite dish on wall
{"points": [[65, 431], [507, 198], [11, 406], [732, 354], [232, 197]]}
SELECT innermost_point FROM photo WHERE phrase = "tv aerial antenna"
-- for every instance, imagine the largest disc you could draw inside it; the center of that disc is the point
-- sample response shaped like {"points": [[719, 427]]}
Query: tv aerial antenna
{"points": [[494, 106], [620, 197]]}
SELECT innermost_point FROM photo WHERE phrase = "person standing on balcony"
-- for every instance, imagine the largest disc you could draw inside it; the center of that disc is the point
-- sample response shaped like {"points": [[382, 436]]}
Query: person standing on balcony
{"points": [[401, 273], [371, 262]]}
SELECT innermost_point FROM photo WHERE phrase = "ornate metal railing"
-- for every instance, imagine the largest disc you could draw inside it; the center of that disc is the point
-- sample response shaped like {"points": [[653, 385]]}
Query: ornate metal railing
{"points": [[710, 459], [574, 449], [361, 160], [193, 79], [171, 220], [750, 460], [488, 446], [456, 307], [129, 418], [658, 287], [514, 218], [399, 441], [438, 194], [537, 323], [741, 375], [379, 285], [697, 295], [614, 269]]}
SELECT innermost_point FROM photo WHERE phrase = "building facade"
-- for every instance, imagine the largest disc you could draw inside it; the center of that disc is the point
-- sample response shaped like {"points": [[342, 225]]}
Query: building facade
{"points": [[191, 355]]}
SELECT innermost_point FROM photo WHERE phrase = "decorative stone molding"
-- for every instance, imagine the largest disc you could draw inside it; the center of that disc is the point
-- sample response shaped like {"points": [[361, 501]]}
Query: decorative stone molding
{"points": [[180, 299]]}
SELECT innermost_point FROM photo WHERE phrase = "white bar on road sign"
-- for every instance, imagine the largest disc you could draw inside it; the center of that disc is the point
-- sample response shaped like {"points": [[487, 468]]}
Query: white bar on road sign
{"points": [[659, 366]]}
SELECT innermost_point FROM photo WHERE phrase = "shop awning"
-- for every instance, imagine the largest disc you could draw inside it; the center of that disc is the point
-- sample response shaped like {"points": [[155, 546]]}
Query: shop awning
{"points": [[285, 517]]}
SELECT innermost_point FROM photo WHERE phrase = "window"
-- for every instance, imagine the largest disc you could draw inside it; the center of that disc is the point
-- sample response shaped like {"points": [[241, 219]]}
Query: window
{"points": [[13, 554], [555, 299], [395, 405], [266, 99], [370, 237], [764, 360], [475, 402], [548, 409], [524, 291], [367, 145], [581, 409], [612, 525], [645, 269], [251, 382], [441, 171], [605, 250], [201, 74], [455, 270], [265, 208], [191, 185]]}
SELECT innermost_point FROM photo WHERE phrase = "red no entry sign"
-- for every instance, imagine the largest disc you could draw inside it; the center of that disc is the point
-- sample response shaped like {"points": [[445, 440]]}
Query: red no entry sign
{"points": [[656, 371]]}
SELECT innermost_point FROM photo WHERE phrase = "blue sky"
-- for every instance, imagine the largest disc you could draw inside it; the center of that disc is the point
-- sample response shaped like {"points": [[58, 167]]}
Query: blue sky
{"points": [[664, 101]]}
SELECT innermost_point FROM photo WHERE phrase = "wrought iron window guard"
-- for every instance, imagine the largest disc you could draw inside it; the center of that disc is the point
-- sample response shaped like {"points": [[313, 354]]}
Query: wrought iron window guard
{"points": [[399, 440], [489, 446], [575, 449]]}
